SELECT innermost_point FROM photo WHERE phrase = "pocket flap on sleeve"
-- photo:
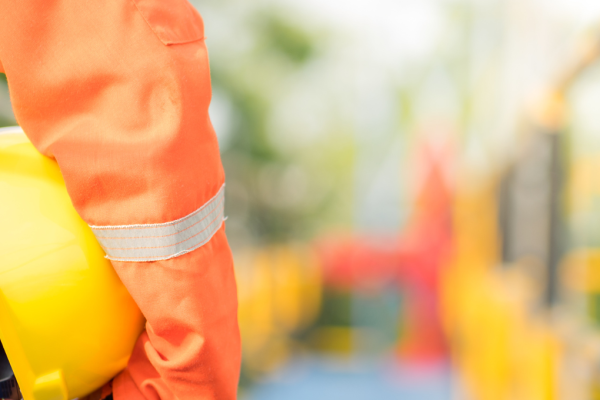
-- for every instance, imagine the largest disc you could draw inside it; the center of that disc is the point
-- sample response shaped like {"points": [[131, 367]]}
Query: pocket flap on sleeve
{"points": [[173, 21]]}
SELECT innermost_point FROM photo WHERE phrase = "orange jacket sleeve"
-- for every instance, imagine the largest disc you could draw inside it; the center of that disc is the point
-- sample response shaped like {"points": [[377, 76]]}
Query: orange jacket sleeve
{"points": [[118, 93]]}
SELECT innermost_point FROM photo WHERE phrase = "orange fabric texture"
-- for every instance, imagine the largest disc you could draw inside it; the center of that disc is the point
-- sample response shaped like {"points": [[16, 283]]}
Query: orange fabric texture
{"points": [[118, 93], [106, 391]]}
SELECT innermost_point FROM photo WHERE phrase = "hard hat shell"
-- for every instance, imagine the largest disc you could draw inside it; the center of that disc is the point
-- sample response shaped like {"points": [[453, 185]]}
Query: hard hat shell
{"points": [[67, 323]]}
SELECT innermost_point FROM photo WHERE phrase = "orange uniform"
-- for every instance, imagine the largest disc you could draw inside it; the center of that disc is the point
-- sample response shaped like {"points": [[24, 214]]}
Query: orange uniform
{"points": [[118, 93]]}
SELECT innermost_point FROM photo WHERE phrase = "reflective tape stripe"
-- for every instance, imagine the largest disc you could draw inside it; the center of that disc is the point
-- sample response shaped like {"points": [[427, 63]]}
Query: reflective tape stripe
{"points": [[153, 242]]}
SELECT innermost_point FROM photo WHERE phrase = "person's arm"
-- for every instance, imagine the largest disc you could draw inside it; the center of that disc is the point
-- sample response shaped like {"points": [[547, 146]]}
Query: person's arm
{"points": [[118, 93]]}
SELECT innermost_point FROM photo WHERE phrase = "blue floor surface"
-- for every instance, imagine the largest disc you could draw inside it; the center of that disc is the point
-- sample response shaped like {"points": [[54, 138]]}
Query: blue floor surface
{"points": [[318, 379]]}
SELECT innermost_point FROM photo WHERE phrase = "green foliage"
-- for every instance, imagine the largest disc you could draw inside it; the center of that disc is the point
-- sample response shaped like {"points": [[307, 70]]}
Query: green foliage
{"points": [[286, 38], [258, 171], [6, 118], [250, 111], [336, 309]]}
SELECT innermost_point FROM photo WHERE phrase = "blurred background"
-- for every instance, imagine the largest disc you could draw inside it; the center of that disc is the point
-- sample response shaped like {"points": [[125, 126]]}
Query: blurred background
{"points": [[413, 193]]}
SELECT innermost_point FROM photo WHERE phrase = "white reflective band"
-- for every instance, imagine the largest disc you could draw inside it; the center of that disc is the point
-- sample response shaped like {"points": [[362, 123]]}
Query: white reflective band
{"points": [[153, 242]]}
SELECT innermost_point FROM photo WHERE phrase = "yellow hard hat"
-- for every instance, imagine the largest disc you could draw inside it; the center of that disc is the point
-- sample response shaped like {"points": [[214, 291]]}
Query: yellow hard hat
{"points": [[67, 323]]}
